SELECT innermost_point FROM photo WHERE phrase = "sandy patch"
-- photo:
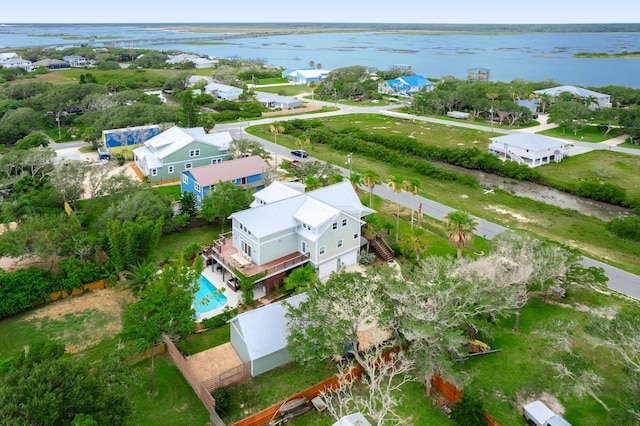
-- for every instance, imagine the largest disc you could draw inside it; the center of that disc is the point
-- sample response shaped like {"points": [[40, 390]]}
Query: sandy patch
{"points": [[102, 310], [516, 216], [214, 361]]}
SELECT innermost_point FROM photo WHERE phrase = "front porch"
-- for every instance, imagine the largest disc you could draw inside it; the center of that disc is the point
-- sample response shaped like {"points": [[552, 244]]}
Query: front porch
{"points": [[222, 254]]}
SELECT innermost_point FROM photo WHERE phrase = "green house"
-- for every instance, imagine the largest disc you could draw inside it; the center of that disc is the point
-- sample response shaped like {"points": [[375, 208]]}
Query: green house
{"points": [[164, 156]]}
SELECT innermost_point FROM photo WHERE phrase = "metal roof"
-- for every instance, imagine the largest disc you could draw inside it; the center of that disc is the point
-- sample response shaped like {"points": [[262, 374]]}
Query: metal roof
{"points": [[530, 141], [264, 330], [228, 170]]}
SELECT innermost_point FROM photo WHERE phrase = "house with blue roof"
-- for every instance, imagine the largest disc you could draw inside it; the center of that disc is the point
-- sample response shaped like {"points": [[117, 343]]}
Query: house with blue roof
{"points": [[247, 171], [405, 85]]}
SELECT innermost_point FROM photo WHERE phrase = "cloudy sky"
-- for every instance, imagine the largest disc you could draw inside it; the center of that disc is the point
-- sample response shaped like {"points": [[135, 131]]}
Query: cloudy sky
{"points": [[406, 11]]}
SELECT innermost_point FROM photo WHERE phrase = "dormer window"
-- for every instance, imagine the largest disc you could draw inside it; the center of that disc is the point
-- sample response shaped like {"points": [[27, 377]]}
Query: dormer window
{"points": [[306, 226]]}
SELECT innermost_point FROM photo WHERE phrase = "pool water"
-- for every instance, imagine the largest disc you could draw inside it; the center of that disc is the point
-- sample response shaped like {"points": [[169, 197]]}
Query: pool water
{"points": [[207, 289]]}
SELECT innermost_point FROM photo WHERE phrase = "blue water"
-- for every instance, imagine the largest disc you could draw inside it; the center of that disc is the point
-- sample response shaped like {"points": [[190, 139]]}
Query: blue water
{"points": [[207, 289], [528, 56]]}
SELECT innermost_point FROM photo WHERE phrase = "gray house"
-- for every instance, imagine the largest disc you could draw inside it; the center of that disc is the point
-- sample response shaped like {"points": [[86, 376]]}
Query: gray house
{"points": [[271, 100], [164, 156], [260, 336]]}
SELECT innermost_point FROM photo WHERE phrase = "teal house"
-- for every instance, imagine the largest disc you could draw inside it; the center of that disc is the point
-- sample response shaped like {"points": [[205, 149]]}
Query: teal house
{"points": [[164, 156]]}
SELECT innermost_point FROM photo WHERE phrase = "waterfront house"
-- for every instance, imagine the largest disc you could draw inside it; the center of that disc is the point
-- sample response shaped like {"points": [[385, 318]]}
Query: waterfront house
{"points": [[529, 148], [164, 156], [259, 336], [599, 100], [247, 171], [305, 75], [51, 64], [405, 85], [198, 61]]}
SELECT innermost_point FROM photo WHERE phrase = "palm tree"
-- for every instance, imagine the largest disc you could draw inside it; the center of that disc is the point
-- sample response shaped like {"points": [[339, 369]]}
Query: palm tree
{"points": [[396, 184], [545, 100], [313, 86], [140, 276], [356, 180], [412, 186], [460, 227], [276, 130], [371, 178], [335, 178], [312, 183], [303, 143]]}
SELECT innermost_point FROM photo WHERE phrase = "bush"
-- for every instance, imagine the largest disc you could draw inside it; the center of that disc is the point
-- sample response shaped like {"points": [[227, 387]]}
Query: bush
{"points": [[366, 258], [223, 400], [220, 320], [627, 227], [468, 411]]}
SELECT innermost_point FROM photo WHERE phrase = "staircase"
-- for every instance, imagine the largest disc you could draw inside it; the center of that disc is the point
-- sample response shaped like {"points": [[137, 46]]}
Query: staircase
{"points": [[382, 249]]}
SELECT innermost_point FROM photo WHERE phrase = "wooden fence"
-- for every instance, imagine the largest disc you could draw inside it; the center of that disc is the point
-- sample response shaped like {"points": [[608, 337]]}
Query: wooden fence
{"points": [[453, 394], [233, 375], [265, 415], [79, 290]]}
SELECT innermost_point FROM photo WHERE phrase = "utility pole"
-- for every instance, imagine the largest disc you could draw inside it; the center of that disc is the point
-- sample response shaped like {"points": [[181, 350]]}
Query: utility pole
{"points": [[350, 157]]}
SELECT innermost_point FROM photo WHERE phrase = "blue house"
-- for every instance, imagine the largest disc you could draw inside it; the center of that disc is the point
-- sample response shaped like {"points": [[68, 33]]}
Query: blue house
{"points": [[222, 91], [129, 136], [405, 85], [247, 171]]}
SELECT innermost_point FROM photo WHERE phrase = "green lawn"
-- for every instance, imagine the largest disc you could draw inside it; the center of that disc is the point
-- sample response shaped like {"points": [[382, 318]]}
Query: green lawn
{"points": [[588, 134], [614, 167], [173, 403], [172, 245], [629, 145], [290, 90], [207, 340]]}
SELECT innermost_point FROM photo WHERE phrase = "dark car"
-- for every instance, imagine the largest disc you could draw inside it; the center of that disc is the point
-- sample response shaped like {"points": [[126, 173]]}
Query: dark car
{"points": [[74, 110], [300, 153]]}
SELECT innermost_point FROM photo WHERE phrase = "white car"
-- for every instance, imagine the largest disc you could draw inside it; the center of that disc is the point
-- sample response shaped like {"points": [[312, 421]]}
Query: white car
{"points": [[538, 414]]}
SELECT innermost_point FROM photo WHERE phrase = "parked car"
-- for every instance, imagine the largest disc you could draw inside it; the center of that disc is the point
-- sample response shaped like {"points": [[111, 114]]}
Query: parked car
{"points": [[74, 110], [300, 153], [538, 414], [534, 115]]}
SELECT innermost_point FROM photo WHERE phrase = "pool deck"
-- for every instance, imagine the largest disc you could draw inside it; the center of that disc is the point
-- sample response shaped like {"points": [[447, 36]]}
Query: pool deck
{"points": [[217, 278]]}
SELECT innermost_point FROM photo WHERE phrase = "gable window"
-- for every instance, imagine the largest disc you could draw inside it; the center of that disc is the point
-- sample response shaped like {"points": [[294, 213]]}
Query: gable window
{"points": [[194, 153], [170, 169], [344, 222], [154, 172], [188, 165], [196, 186], [322, 250], [334, 226], [185, 179], [339, 243]]}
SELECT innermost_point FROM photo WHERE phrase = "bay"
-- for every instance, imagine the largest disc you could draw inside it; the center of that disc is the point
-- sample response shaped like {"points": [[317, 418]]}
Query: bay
{"points": [[527, 56]]}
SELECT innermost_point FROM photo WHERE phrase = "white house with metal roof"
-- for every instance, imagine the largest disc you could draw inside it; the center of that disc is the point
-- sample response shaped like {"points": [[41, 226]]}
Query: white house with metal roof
{"points": [[164, 156], [259, 336], [271, 100], [288, 228], [601, 100], [305, 75], [529, 148], [223, 91]]}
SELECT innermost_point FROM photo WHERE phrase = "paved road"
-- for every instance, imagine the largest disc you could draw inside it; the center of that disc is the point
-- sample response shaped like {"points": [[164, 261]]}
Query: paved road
{"points": [[619, 280]]}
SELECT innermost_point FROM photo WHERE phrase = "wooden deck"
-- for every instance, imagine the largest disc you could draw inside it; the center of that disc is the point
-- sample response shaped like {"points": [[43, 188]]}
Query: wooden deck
{"points": [[223, 252]]}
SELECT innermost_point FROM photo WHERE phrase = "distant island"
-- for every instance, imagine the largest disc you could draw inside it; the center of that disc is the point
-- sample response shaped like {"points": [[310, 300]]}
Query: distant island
{"points": [[623, 54]]}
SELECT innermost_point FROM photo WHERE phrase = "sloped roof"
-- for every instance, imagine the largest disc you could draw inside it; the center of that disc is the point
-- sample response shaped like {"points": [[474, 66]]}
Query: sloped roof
{"points": [[271, 97], [277, 191], [407, 81], [228, 170], [176, 138], [264, 330], [530, 141], [219, 87], [578, 91], [287, 213], [311, 73], [49, 62]]}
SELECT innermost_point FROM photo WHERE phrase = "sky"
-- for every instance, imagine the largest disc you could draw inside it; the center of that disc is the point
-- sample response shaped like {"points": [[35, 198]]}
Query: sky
{"points": [[378, 11]]}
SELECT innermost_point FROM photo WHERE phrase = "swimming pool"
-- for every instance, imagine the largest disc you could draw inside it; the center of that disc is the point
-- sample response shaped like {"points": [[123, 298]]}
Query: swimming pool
{"points": [[215, 300]]}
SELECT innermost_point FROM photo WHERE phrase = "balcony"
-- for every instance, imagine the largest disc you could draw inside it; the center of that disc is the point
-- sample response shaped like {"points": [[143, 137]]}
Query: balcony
{"points": [[222, 254]]}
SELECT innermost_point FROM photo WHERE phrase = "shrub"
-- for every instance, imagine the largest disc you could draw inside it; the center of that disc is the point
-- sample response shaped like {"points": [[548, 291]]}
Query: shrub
{"points": [[468, 411], [366, 258], [221, 319], [223, 401], [627, 227]]}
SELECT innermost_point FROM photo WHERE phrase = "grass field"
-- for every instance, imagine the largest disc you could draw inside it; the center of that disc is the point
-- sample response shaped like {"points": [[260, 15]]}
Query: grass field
{"points": [[607, 166], [588, 134], [289, 90]]}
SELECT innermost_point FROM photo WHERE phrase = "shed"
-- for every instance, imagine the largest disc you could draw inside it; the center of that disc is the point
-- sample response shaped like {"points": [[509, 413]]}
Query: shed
{"points": [[260, 336]]}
